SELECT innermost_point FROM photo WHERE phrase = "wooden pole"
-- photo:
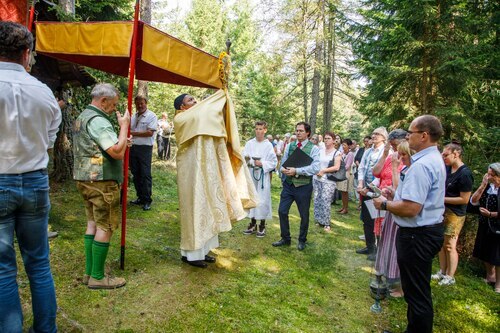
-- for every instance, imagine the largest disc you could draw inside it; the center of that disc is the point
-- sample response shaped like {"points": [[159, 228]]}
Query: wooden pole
{"points": [[32, 15], [133, 54]]}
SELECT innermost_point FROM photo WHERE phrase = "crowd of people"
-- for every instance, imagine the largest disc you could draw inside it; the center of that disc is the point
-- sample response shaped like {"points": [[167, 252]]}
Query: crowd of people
{"points": [[412, 197], [413, 200]]}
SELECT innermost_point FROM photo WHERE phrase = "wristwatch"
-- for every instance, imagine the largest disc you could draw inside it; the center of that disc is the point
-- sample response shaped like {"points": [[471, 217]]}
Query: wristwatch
{"points": [[383, 205]]}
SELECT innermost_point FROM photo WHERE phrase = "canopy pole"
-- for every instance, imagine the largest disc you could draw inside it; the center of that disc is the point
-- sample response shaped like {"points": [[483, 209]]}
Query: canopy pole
{"points": [[32, 15], [133, 54]]}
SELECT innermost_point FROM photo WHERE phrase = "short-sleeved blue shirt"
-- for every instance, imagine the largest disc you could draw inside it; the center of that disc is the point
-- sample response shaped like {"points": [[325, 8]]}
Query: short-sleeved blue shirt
{"points": [[424, 183]]}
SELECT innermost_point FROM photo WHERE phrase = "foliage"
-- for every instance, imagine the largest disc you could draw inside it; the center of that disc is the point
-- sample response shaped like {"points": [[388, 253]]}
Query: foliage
{"points": [[433, 57]]}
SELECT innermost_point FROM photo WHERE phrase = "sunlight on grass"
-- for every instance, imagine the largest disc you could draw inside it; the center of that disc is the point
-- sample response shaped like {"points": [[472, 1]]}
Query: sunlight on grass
{"points": [[226, 259], [368, 269], [472, 310], [70, 218], [253, 287], [267, 265], [343, 225]]}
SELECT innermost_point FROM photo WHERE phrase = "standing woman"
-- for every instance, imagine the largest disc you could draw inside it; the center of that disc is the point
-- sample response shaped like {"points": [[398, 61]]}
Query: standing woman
{"points": [[457, 195], [324, 189], [343, 186], [386, 262], [487, 247]]}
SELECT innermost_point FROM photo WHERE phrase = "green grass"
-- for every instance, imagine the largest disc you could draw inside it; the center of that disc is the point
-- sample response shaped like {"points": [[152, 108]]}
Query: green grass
{"points": [[253, 287]]}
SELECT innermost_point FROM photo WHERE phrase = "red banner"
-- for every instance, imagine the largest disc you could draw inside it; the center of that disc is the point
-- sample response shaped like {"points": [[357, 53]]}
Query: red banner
{"points": [[14, 10]]}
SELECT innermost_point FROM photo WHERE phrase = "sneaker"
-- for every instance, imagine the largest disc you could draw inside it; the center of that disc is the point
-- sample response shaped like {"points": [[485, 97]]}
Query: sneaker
{"points": [[251, 229], [447, 281], [262, 231], [106, 283], [52, 234], [438, 276]]}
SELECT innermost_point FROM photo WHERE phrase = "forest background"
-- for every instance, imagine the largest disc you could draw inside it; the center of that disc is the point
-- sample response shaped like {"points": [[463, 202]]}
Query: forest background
{"points": [[346, 65]]}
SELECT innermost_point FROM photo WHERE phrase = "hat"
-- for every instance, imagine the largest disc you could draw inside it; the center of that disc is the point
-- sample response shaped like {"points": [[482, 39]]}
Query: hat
{"points": [[382, 131], [178, 101], [397, 134]]}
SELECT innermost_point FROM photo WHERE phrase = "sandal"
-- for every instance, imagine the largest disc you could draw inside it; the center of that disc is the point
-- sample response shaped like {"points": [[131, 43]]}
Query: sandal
{"points": [[489, 281], [327, 228], [343, 212], [396, 294]]}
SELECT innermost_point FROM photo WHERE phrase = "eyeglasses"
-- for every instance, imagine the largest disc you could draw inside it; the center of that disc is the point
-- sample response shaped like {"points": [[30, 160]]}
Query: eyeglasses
{"points": [[411, 132]]}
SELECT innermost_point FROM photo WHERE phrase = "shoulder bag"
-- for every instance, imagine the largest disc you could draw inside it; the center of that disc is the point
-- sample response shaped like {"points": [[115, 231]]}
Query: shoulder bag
{"points": [[340, 174]]}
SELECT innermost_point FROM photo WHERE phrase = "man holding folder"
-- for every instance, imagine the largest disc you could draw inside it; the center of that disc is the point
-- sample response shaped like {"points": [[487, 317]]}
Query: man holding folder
{"points": [[300, 162]]}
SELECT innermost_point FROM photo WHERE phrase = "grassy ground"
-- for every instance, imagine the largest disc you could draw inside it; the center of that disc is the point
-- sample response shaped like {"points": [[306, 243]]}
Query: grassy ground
{"points": [[253, 287]]}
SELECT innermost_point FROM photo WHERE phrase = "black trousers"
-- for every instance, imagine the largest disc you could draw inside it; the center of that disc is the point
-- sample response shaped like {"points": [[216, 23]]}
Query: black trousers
{"points": [[163, 147], [416, 247], [140, 166], [368, 224], [302, 197]]}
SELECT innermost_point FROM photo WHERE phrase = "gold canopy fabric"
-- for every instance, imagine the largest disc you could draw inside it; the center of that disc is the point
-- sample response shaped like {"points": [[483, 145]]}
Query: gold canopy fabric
{"points": [[107, 46], [214, 184]]}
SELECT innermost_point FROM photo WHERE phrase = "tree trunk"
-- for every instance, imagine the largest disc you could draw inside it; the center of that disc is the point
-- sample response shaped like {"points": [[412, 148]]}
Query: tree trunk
{"points": [[304, 64], [145, 11], [68, 6], [329, 70], [63, 146], [304, 87], [318, 59]]}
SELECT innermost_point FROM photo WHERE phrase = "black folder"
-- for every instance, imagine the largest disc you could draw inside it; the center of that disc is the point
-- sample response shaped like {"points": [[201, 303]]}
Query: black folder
{"points": [[298, 159]]}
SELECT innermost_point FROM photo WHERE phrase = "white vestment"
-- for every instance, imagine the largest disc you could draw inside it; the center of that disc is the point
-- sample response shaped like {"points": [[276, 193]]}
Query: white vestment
{"points": [[261, 175]]}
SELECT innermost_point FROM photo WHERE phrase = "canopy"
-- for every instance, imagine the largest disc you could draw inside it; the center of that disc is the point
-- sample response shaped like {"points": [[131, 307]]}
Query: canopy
{"points": [[133, 49], [107, 46]]}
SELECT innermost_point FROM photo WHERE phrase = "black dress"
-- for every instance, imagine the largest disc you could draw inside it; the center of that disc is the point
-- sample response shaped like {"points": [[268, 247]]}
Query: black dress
{"points": [[487, 246]]}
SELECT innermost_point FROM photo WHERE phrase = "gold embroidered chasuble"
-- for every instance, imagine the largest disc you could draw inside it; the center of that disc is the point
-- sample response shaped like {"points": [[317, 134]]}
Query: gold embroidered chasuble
{"points": [[214, 185]]}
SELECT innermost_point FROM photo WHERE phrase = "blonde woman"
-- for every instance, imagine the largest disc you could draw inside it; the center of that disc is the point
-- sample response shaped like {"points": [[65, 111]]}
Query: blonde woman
{"points": [[457, 195]]}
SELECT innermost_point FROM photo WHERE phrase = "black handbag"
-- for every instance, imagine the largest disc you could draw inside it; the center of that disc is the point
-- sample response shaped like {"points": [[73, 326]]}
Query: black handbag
{"points": [[494, 222], [340, 174]]}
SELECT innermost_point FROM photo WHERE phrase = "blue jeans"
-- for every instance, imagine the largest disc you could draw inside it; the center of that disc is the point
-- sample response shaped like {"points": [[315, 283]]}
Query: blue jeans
{"points": [[24, 209]]}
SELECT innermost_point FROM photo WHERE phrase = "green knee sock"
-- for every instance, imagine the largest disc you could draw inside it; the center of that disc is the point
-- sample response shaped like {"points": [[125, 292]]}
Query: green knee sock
{"points": [[99, 254], [88, 240]]}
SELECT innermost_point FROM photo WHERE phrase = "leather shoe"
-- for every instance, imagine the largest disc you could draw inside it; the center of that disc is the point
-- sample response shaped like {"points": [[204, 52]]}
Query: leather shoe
{"points": [[281, 242], [363, 251], [146, 207], [209, 259], [195, 263], [301, 246], [136, 202]]}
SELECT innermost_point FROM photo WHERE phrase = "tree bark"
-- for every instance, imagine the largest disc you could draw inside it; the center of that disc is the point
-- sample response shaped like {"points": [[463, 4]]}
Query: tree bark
{"points": [[68, 6], [329, 70], [63, 146], [318, 60]]}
